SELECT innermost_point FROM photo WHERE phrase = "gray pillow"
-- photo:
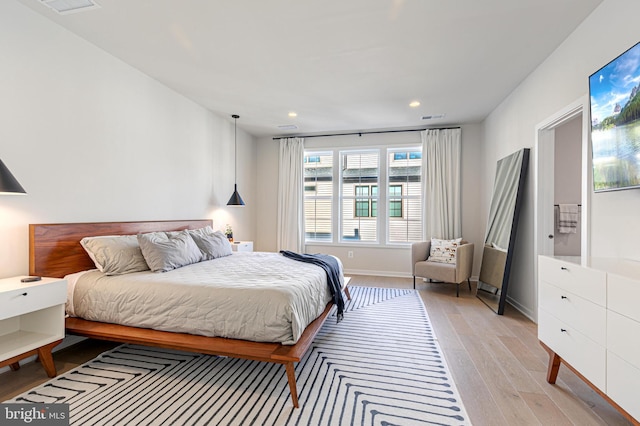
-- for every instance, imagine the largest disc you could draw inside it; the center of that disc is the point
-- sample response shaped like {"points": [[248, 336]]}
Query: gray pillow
{"points": [[165, 251], [115, 254], [212, 244]]}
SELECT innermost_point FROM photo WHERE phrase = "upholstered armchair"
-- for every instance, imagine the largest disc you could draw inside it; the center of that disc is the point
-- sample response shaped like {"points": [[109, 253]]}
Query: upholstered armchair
{"points": [[454, 273]]}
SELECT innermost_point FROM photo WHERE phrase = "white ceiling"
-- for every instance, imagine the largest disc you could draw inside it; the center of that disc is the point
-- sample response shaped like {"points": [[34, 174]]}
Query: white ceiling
{"points": [[342, 65]]}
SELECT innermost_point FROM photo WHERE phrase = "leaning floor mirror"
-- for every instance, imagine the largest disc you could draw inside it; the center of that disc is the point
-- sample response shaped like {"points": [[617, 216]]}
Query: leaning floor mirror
{"points": [[497, 253]]}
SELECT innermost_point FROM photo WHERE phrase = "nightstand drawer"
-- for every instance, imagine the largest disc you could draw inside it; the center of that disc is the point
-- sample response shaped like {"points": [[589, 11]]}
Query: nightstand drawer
{"points": [[31, 298], [240, 246], [587, 283], [585, 316]]}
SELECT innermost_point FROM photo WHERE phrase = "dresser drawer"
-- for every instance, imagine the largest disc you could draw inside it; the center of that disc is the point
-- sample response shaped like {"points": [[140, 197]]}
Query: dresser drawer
{"points": [[590, 284], [31, 298], [581, 314], [623, 384], [623, 296], [623, 338], [584, 354]]}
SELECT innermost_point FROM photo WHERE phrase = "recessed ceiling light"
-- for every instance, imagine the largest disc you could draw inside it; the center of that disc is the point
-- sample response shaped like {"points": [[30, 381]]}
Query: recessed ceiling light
{"points": [[293, 114], [64, 7], [414, 104]]}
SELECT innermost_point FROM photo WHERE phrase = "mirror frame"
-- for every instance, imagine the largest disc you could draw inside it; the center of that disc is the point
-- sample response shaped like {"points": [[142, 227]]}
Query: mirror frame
{"points": [[512, 239]]}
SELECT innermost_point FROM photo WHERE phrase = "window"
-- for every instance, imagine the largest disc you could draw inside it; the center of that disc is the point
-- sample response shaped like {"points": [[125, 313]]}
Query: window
{"points": [[404, 177], [318, 196], [344, 203], [399, 155], [374, 202], [395, 204], [367, 207], [414, 155], [359, 175], [362, 206]]}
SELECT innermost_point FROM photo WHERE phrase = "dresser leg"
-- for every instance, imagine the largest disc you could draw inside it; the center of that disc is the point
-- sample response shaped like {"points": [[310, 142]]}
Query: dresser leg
{"points": [[14, 366], [554, 366]]}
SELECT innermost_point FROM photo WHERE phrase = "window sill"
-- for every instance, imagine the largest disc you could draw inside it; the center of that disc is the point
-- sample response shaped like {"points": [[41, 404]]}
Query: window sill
{"points": [[401, 246]]}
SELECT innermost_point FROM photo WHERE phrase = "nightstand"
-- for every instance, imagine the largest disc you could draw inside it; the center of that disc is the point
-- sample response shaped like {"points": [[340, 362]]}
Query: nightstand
{"points": [[31, 320], [242, 246]]}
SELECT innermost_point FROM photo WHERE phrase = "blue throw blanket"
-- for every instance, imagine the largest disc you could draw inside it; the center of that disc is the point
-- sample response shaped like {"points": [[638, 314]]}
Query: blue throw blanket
{"points": [[331, 267]]}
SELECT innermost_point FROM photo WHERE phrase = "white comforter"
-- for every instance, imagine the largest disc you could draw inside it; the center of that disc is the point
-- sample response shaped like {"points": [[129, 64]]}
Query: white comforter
{"points": [[263, 297]]}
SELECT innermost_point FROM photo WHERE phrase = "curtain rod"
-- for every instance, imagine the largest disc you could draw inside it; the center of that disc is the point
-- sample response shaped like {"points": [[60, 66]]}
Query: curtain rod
{"points": [[365, 133]]}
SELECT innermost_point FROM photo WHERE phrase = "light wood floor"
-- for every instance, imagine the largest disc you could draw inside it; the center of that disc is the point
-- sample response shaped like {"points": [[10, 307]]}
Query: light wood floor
{"points": [[496, 361]]}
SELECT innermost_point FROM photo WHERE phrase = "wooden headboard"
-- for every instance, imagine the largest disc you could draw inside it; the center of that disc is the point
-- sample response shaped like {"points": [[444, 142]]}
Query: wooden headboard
{"points": [[55, 250]]}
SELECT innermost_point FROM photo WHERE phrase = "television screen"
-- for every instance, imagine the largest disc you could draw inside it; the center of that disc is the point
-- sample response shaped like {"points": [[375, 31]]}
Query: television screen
{"points": [[615, 122]]}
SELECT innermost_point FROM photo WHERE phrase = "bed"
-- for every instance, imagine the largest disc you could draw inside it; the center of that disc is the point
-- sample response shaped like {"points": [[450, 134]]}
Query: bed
{"points": [[55, 251]]}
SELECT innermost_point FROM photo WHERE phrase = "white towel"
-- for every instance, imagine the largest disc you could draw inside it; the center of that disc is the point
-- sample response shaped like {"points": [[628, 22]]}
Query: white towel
{"points": [[567, 218]]}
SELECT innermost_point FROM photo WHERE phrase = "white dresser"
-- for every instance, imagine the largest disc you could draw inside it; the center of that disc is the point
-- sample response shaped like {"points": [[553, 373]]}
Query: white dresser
{"points": [[31, 320], [589, 318]]}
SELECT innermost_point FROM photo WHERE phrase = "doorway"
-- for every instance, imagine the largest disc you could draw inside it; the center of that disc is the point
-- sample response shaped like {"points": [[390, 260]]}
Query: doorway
{"points": [[564, 134], [567, 189]]}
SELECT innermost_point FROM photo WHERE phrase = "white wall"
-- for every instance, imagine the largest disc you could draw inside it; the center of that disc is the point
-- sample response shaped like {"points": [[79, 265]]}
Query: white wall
{"points": [[559, 81], [92, 139], [371, 260]]}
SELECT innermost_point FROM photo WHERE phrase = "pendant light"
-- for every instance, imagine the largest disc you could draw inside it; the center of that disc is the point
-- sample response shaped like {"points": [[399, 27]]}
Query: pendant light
{"points": [[236, 199], [9, 184]]}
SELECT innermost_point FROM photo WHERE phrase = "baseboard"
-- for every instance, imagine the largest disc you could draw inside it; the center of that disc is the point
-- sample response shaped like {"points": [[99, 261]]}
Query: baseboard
{"points": [[522, 309], [378, 273], [390, 274]]}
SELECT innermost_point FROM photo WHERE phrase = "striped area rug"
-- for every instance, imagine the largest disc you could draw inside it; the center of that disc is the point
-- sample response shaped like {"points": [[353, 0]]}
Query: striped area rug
{"points": [[380, 366]]}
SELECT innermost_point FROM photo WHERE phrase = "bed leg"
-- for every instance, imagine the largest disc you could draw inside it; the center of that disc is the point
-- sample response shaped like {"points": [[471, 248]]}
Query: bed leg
{"points": [[291, 375], [347, 293]]}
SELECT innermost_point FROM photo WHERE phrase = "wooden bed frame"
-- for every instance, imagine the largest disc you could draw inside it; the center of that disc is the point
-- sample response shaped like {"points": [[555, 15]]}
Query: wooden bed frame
{"points": [[55, 251]]}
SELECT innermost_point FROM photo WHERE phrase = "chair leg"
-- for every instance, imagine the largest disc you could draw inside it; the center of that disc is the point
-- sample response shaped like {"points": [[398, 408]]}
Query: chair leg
{"points": [[458, 290], [469, 282], [414, 282]]}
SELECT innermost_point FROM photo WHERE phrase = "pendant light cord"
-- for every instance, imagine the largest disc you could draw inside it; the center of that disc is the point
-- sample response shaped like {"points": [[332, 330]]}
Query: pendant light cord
{"points": [[235, 149]]}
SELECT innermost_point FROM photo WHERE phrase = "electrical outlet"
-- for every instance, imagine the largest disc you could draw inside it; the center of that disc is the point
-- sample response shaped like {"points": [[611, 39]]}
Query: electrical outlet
{"points": [[350, 253]]}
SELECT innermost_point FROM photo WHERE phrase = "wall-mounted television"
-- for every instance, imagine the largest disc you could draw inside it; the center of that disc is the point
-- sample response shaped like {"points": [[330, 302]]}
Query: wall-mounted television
{"points": [[614, 94]]}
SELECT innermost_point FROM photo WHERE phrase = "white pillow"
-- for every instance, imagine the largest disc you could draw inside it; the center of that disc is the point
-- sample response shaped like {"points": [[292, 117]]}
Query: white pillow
{"points": [[115, 254], [165, 251], [444, 251], [212, 244]]}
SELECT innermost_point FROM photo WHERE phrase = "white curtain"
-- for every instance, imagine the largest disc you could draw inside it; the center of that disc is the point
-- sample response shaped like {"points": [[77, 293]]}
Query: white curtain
{"points": [[441, 159], [290, 227]]}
